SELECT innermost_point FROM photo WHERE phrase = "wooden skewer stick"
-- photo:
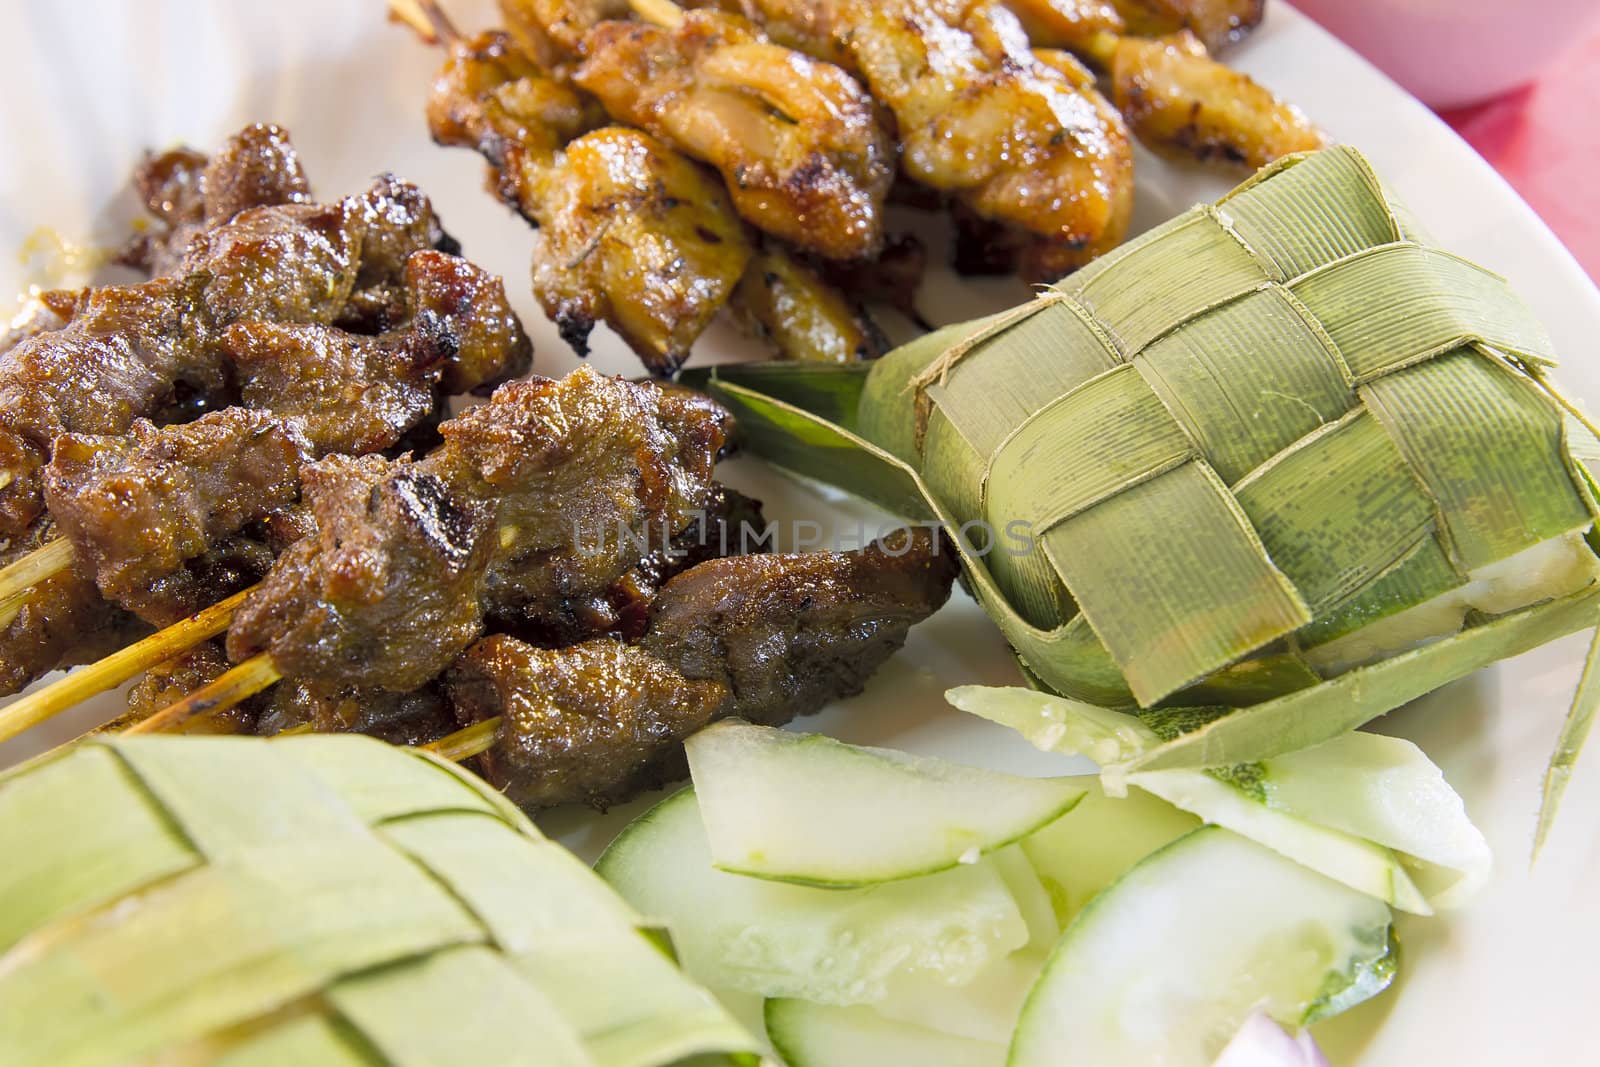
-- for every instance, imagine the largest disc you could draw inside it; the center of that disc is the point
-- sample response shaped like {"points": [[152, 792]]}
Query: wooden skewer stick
{"points": [[20, 577], [118, 667], [472, 741], [427, 18], [661, 12], [239, 684]]}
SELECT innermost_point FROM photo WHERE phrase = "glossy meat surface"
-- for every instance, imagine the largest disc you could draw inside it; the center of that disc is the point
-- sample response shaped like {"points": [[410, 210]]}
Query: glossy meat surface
{"points": [[137, 506], [763, 637], [535, 506], [186, 190], [1216, 22], [356, 394], [797, 140], [979, 116], [581, 724], [801, 314], [630, 233], [1182, 103]]}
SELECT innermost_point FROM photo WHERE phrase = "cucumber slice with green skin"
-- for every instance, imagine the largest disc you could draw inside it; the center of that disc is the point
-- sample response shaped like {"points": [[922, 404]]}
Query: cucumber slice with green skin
{"points": [[834, 946], [1162, 968], [823, 1035], [1354, 861], [1080, 855], [1386, 790], [1345, 807], [807, 809]]}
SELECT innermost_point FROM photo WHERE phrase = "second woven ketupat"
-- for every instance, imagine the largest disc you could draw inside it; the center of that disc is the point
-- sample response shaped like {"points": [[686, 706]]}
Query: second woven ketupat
{"points": [[1265, 426], [315, 900]]}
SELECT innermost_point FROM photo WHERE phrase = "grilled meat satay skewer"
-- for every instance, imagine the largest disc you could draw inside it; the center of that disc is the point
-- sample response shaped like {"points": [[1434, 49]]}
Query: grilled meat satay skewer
{"points": [[136, 510], [187, 191], [307, 391], [629, 232], [1182, 103], [533, 508], [798, 141], [423, 714], [137, 351], [1176, 99], [1017, 140], [1218, 23], [766, 638]]}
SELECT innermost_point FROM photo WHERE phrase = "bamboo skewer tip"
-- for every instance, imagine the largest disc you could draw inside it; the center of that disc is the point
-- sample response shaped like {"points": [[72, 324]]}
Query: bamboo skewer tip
{"points": [[426, 18], [234, 687], [20, 577], [663, 13], [113, 670], [471, 741]]}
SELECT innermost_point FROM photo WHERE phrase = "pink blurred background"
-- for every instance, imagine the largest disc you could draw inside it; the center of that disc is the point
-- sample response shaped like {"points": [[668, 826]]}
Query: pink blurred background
{"points": [[1519, 79]]}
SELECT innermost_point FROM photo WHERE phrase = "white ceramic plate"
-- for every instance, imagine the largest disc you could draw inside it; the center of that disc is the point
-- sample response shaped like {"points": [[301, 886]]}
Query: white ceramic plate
{"points": [[88, 85]]}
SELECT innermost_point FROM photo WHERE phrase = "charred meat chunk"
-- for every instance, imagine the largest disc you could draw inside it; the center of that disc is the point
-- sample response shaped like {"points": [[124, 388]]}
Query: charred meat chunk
{"points": [[60, 622], [535, 506], [580, 723], [386, 590], [186, 190], [137, 506], [766, 638]]}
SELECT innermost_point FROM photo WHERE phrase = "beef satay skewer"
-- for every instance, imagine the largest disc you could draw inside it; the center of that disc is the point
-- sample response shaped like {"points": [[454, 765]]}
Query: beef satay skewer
{"points": [[20, 577], [408, 558], [347, 394], [234, 687], [108, 673], [764, 638]]}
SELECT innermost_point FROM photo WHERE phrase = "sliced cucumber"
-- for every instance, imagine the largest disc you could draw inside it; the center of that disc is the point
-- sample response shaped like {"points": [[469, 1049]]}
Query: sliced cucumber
{"points": [[1387, 790], [819, 1035], [983, 1009], [1162, 968], [1354, 861], [835, 946], [1031, 895], [1057, 724], [1080, 855], [805, 808], [986, 1007]]}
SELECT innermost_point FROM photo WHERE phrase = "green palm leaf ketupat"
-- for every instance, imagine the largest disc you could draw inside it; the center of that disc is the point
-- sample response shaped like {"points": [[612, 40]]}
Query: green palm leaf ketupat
{"points": [[315, 901], [1279, 458]]}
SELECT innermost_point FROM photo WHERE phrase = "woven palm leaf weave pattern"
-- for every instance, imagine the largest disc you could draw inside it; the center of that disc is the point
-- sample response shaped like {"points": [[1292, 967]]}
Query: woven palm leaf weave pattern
{"points": [[310, 901], [1251, 431]]}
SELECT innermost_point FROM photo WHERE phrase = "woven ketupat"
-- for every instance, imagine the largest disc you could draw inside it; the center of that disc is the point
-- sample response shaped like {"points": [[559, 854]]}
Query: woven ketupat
{"points": [[1272, 423], [310, 901], [1209, 388]]}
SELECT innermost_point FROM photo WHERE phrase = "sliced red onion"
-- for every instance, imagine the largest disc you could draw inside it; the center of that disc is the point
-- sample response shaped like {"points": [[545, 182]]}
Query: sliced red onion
{"points": [[1261, 1042]]}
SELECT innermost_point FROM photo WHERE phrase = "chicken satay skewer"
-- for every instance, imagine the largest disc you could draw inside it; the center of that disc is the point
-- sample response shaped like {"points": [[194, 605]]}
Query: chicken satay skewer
{"points": [[661, 12]]}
